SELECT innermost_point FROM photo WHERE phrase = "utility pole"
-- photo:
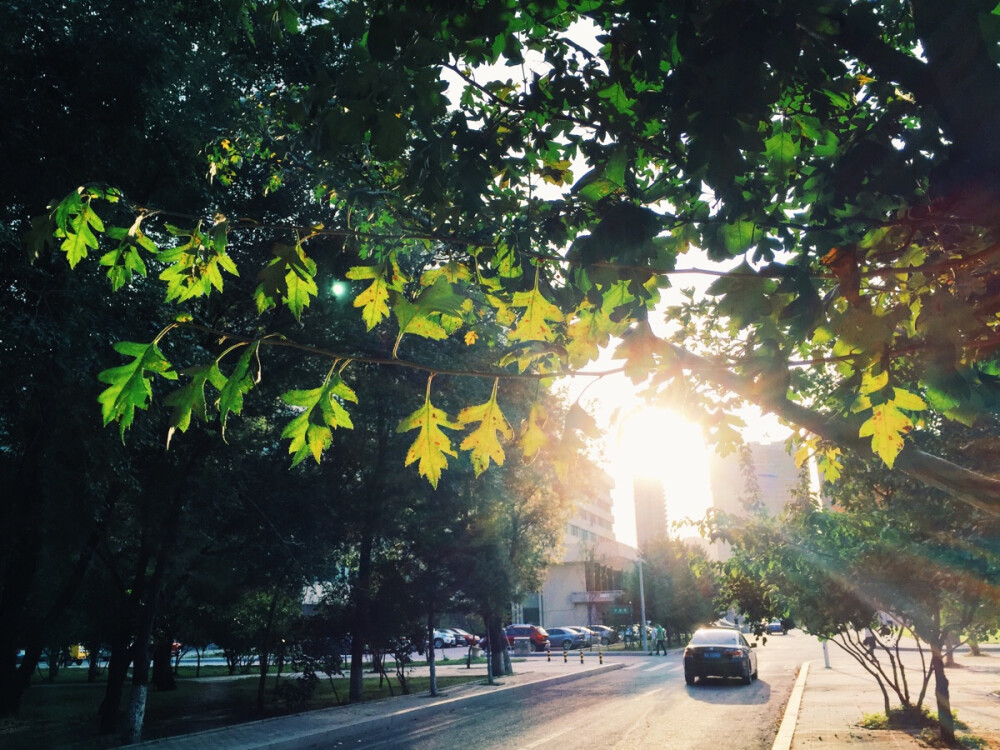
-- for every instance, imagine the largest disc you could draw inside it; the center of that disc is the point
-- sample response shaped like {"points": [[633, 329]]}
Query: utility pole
{"points": [[642, 608]]}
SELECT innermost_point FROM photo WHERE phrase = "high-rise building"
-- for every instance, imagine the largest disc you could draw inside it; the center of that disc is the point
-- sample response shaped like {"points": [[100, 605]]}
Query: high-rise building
{"points": [[650, 510], [762, 474]]}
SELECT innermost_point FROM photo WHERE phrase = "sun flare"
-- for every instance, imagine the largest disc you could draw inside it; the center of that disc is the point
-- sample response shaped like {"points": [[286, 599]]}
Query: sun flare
{"points": [[656, 443]]}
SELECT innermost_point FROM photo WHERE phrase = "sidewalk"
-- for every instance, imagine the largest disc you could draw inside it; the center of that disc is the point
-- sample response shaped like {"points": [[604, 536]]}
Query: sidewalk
{"points": [[827, 704], [326, 726]]}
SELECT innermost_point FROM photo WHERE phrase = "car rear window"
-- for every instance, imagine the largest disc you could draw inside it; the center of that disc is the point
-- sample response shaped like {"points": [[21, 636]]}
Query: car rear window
{"points": [[715, 637]]}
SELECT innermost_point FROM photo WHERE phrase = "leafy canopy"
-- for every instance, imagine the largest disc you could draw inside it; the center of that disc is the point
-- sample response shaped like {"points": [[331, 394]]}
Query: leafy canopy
{"points": [[526, 179]]}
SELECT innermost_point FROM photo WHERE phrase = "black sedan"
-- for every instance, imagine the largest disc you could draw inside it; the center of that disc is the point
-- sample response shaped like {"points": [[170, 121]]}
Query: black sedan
{"points": [[719, 652]]}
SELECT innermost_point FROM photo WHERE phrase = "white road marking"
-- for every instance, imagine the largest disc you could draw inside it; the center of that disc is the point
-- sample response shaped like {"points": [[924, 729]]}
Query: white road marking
{"points": [[659, 667], [549, 738]]}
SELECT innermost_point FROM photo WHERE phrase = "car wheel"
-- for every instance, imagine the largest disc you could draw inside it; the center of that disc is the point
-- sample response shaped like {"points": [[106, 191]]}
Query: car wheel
{"points": [[567, 644], [438, 643], [746, 673], [688, 677], [605, 641]]}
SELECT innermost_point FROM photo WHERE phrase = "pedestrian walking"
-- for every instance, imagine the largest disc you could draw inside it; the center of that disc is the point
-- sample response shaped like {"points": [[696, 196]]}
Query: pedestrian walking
{"points": [[661, 635]]}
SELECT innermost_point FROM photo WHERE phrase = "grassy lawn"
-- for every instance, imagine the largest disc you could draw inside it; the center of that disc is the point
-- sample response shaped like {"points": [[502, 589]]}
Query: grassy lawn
{"points": [[63, 714]]}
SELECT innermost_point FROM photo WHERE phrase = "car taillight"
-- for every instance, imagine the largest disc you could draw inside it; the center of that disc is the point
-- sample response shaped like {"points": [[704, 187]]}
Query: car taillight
{"points": [[733, 653], [688, 652]]}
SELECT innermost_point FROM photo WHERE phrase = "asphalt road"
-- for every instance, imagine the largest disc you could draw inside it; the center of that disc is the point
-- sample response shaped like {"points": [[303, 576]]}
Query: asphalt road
{"points": [[646, 704]]}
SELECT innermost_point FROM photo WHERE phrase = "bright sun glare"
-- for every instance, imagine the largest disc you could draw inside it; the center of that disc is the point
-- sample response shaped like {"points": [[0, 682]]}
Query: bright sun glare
{"points": [[656, 443]]}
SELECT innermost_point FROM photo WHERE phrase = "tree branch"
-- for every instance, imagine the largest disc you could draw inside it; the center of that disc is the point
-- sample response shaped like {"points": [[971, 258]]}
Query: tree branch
{"points": [[977, 490]]}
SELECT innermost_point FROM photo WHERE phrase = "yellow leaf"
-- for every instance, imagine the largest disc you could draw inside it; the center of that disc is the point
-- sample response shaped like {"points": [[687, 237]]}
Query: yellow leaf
{"points": [[873, 383], [533, 437], [431, 447], [908, 401], [538, 313], [829, 465], [886, 426], [805, 450], [483, 442], [374, 300], [471, 337]]}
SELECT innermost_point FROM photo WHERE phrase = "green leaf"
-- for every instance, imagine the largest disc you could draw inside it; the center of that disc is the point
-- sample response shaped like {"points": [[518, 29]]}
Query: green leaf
{"points": [[191, 398], [431, 447], [425, 315], [322, 411], [484, 441], [239, 383], [289, 278], [130, 385]]}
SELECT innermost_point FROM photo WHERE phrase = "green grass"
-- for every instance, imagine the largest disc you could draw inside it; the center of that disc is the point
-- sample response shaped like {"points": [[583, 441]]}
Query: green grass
{"points": [[64, 713]]}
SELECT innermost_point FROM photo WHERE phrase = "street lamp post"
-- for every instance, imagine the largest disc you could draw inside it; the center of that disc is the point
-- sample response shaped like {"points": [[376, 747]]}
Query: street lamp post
{"points": [[642, 607]]}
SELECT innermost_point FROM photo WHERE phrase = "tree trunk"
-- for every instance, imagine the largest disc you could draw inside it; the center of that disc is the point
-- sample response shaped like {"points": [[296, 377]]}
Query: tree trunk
{"points": [[93, 660], [140, 679], [430, 653], [163, 673], [136, 716], [498, 644], [359, 629], [121, 657], [943, 697], [264, 651]]}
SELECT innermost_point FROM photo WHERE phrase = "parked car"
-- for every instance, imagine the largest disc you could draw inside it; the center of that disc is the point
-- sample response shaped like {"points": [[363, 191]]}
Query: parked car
{"points": [[463, 637], [443, 638], [719, 652], [593, 637], [776, 626], [607, 635], [567, 638], [538, 636]]}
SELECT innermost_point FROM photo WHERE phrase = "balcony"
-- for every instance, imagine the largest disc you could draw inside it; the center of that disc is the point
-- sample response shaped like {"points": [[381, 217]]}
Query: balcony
{"points": [[596, 597]]}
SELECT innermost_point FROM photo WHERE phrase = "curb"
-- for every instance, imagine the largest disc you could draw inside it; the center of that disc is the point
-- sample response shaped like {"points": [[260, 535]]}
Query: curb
{"points": [[783, 740], [311, 737]]}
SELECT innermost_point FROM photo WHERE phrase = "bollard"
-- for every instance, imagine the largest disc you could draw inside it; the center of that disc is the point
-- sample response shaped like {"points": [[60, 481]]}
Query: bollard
{"points": [[564, 656], [600, 657], [581, 656], [548, 654]]}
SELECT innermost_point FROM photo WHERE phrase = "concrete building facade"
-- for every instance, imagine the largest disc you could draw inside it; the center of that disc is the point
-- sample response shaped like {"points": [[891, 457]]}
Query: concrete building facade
{"points": [[585, 586], [763, 474]]}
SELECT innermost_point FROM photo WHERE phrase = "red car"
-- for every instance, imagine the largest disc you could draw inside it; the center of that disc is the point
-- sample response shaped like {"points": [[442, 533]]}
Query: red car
{"points": [[538, 636], [463, 637]]}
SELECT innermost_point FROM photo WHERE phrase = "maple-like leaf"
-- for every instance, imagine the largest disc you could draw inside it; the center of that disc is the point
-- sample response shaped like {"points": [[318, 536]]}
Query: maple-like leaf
{"points": [[589, 329], [374, 301], [311, 431], [641, 350], [130, 385], [289, 277], [195, 267], [484, 441], [426, 314], [533, 438], [886, 427], [239, 383], [431, 447], [190, 400], [538, 313]]}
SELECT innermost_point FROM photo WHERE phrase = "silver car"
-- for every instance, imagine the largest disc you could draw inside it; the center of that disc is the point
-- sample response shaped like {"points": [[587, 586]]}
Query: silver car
{"points": [[567, 638]]}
